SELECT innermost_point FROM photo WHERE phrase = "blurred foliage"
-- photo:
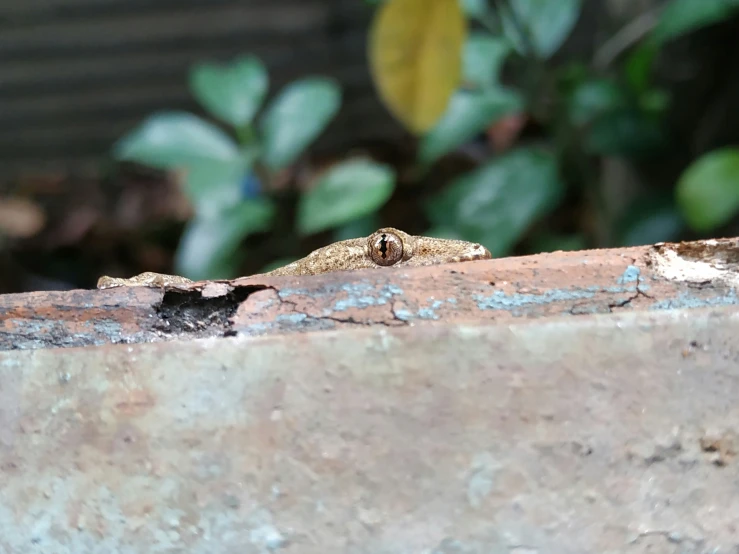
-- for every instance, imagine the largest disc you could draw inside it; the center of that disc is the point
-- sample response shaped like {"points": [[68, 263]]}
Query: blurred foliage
{"points": [[223, 174], [683, 16], [495, 204], [585, 113], [708, 191], [336, 198], [454, 73]]}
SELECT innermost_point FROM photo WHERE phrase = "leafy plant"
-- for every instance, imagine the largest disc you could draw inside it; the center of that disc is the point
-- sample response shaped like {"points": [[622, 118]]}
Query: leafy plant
{"points": [[227, 176], [334, 200], [495, 204], [455, 74], [708, 191], [606, 110]]}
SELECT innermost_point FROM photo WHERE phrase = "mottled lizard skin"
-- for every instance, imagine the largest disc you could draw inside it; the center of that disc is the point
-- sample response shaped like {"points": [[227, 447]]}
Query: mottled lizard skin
{"points": [[386, 247]]}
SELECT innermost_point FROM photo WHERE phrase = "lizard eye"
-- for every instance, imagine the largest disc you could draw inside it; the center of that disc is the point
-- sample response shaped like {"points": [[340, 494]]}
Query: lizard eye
{"points": [[385, 248]]}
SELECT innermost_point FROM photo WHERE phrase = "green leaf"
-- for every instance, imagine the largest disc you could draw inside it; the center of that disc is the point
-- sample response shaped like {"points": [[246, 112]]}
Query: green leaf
{"points": [[214, 186], [570, 76], [638, 66], [683, 16], [654, 101], [545, 24], [475, 8], [626, 132], [592, 98], [483, 57], [468, 114], [297, 116], [495, 204], [650, 219], [171, 140], [346, 192], [708, 190], [232, 93], [210, 243]]}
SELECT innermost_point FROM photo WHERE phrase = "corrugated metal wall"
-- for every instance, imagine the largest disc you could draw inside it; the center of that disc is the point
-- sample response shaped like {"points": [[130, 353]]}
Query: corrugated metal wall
{"points": [[77, 74]]}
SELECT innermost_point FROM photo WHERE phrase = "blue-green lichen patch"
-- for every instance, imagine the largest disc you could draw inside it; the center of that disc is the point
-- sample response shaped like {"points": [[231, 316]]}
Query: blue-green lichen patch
{"points": [[322, 308], [430, 311], [500, 300], [303, 322], [325, 290], [258, 328], [286, 322], [631, 275], [360, 295], [368, 294], [694, 300], [292, 319], [363, 295], [628, 284], [427, 312], [403, 314]]}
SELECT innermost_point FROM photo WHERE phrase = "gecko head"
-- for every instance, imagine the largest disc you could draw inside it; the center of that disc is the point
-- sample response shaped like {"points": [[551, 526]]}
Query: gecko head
{"points": [[389, 246], [386, 247]]}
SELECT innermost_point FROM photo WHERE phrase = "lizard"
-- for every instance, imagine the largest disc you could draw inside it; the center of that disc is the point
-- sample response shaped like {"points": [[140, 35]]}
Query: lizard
{"points": [[386, 247]]}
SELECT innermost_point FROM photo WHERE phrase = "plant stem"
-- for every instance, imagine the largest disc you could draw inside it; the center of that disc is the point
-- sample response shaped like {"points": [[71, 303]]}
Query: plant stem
{"points": [[246, 135], [631, 33]]}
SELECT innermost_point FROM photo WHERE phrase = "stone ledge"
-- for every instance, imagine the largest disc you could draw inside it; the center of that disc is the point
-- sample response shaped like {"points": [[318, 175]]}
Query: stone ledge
{"points": [[596, 433], [659, 277]]}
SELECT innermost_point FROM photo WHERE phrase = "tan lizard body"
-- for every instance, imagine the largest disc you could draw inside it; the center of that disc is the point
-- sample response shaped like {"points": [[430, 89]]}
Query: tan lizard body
{"points": [[386, 247]]}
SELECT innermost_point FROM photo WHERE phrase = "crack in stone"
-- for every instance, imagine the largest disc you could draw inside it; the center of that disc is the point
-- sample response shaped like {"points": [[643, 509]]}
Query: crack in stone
{"points": [[639, 293], [309, 320], [345, 320]]}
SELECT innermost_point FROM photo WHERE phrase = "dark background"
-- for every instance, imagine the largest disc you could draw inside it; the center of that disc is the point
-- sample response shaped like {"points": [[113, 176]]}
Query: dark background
{"points": [[76, 75]]}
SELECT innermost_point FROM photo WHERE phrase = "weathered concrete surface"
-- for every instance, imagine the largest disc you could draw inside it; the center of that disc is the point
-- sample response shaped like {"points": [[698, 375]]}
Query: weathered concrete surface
{"points": [[597, 434], [687, 275]]}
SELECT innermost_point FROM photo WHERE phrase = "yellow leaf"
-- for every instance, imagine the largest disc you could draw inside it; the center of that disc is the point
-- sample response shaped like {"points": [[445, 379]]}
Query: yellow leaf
{"points": [[415, 51]]}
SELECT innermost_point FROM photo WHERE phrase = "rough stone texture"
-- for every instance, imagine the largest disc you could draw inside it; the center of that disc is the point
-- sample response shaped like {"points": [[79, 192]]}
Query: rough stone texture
{"points": [[591, 434], [686, 275]]}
